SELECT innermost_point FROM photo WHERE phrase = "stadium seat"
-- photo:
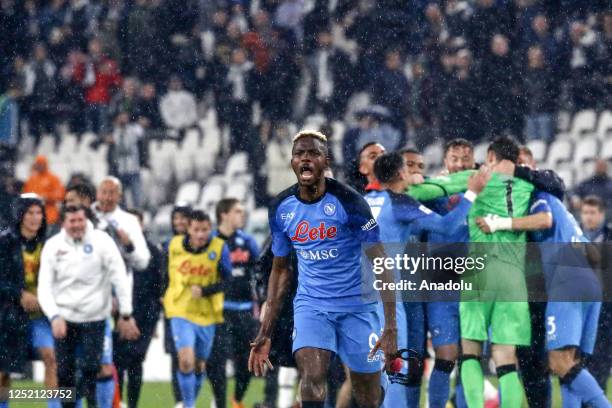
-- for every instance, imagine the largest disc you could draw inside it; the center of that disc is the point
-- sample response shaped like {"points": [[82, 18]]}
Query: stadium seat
{"points": [[585, 150], [237, 164], [244, 178], [68, 144], [188, 192], [258, 224], [606, 149], [60, 167], [211, 193], [538, 149], [278, 167], [559, 151], [584, 122], [237, 190], [87, 139], [161, 221], [154, 192], [207, 152], [46, 145], [160, 159], [563, 121], [567, 175], [604, 128], [339, 130], [182, 165], [480, 152], [433, 155], [23, 167]]}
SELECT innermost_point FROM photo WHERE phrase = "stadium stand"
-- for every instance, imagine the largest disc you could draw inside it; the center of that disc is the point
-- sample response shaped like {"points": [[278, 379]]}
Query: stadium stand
{"points": [[460, 83]]}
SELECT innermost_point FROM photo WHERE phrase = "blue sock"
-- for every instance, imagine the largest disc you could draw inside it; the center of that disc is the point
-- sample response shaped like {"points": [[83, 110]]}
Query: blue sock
{"points": [[199, 379], [79, 403], [568, 398], [105, 392], [586, 388], [438, 388], [3, 404], [187, 383], [460, 397], [54, 403], [413, 396]]}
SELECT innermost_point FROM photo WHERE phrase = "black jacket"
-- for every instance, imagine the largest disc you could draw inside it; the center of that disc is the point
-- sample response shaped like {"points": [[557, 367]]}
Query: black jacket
{"points": [[13, 319], [543, 180]]}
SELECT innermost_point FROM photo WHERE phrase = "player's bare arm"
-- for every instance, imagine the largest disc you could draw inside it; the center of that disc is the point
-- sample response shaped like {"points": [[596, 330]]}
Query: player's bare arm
{"points": [[388, 340], [277, 290]]}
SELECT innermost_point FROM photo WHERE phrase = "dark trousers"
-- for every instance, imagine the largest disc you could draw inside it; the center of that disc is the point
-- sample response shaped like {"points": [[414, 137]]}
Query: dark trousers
{"points": [[88, 338], [232, 340], [130, 355], [533, 361]]}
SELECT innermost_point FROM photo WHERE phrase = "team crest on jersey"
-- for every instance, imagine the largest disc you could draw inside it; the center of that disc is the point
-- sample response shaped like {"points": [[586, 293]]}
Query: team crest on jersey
{"points": [[212, 256], [329, 209], [87, 248]]}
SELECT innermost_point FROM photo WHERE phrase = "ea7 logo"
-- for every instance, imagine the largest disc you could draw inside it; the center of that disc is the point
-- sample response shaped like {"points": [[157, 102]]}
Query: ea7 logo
{"points": [[369, 225], [287, 216]]}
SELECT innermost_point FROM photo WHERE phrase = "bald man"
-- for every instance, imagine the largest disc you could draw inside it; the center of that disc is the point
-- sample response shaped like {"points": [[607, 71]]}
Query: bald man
{"points": [[125, 229], [121, 225]]}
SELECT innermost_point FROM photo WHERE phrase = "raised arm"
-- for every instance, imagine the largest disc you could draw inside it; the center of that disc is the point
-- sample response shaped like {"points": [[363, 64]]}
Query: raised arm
{"points": [[388, 340]]}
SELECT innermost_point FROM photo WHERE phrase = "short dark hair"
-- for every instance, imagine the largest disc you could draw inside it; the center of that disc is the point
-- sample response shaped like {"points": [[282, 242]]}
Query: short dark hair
{"points": [[365, 146], [387, 166], [595, 201], [71, 209], [410, 150], [457, 142], [84, 190], [505, 148], [198, 215], [224, 206]]}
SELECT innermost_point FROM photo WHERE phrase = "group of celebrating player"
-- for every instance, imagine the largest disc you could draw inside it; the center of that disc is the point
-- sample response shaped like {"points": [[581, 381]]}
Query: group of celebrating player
{"points": [[65, 293], [326, 222]]}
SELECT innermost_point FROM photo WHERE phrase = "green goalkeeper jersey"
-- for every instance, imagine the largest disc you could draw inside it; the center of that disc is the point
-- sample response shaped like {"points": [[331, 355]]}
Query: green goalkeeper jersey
{"points": [[503, 195]]}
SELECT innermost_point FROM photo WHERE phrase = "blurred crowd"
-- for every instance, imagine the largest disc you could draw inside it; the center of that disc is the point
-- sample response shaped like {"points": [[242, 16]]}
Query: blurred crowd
{"points": [[133, 70], [458, 68]]}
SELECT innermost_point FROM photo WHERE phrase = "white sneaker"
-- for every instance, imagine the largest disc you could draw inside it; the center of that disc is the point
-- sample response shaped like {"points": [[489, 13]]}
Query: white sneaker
{"points": [[179, 405]]}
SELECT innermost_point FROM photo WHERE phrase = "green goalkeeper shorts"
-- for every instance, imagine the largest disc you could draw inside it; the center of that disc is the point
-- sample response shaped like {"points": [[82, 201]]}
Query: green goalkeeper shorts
{"points": [[510, 322], [497, 308]]}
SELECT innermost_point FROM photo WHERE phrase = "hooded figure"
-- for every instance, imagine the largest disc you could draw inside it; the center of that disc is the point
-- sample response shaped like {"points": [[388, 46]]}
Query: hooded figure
{"points": [[13, 318], [30, 248], [47, 185], [179, 218]]}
